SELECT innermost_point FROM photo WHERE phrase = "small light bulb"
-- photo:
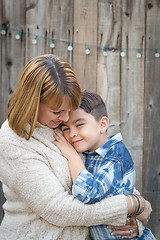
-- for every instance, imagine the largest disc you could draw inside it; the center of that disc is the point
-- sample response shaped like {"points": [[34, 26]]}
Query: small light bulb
{"points": [[122, 53], [138, 54], [70, 47], [105, 52], [52, 45], [18, 36], [34, 41], [87, 51], [157, 53], [3, 32]]}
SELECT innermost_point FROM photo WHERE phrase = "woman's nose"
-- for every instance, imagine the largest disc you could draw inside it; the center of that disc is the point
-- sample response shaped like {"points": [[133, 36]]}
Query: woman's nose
{"points": [[64, 116]]}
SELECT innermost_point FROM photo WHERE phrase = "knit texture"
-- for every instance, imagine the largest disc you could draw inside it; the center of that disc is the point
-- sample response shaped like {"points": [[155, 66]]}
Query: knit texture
{"points": [[37, 186]]}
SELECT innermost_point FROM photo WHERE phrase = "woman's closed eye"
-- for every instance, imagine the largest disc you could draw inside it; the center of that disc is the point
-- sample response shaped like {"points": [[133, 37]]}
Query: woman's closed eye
{"points": [[56, 113]]}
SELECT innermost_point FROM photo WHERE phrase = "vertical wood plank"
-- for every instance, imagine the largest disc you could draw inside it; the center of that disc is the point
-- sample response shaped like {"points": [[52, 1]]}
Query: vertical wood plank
{"points": [[132, 81], [12, 57], [1, 92], [2, 107], [47, 21], [85, 26], [61, 27], [36, 29], [108, 68], [151, 170], [12, 50]]}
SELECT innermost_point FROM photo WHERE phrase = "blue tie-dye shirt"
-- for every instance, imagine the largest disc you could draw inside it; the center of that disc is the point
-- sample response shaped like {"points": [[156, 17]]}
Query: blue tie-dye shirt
{"points": [[109, 171]]}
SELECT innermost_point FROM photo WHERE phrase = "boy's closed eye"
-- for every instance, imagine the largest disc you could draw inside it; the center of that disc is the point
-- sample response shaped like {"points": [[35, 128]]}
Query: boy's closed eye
{"points": [[79, 124], [64, 128]]}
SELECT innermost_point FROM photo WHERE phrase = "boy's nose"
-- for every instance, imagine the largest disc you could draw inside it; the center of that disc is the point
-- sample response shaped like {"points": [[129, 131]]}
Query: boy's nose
{"points": [[73, 133]]}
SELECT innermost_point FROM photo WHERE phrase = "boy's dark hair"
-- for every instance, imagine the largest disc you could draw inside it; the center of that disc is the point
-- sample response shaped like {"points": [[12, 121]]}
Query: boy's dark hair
{"points": [[92, 103]]}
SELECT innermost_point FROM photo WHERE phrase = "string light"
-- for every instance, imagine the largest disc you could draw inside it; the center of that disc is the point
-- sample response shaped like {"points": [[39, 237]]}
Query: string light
{"points": [[34, 41], [105, 52], [139, 54], [157, 53], [70, 47], [87, 50], [18, 35], [122, 53], [3, 31], [5, 27], [52, 45]]}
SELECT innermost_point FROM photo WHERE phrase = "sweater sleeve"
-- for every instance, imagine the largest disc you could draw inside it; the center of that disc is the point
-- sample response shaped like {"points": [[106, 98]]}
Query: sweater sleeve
{"points": [[140, 227], [40, 190]]}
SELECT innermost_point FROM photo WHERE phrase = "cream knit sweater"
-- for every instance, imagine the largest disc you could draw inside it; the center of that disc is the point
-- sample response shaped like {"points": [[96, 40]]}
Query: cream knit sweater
{"points": [[37, 186]]}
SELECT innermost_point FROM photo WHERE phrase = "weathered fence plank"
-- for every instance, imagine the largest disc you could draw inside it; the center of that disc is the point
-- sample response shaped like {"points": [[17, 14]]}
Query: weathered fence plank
{"points": [[108, 68], [132, 81], [85, 34], [49, 21], [12, 55], [12, 50], [2, 109], [151, 163]]}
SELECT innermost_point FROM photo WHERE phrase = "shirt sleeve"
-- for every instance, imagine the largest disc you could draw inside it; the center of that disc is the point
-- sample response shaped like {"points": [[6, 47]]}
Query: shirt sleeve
{"points": [[90, 188]]}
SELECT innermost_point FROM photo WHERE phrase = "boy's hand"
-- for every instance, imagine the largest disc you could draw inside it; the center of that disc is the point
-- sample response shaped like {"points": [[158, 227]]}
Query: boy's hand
{"points": [[65, 147], [76, 164]]}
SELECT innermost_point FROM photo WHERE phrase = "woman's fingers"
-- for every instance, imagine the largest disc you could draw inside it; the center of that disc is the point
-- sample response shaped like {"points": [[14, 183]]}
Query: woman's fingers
{"points": [[130, 230], [125, 234]]}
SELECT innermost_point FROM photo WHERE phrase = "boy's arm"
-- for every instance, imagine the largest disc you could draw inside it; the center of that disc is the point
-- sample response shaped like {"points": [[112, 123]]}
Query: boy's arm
{"points": [[87, 187], [91, 188], [76, 164]]}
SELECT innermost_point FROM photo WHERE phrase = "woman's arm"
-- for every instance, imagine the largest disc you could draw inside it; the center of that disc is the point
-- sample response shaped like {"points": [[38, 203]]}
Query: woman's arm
{"points": [[27, 174], [37, 186]]}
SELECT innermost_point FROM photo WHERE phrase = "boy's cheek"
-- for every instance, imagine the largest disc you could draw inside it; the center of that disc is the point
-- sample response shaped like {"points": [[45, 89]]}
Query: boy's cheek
{"points": [[66, 137]]}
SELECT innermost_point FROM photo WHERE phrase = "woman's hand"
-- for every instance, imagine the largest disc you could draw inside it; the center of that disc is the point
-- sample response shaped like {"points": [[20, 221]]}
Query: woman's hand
{"points": [[145, 215], [130, 230], [145, 206]]}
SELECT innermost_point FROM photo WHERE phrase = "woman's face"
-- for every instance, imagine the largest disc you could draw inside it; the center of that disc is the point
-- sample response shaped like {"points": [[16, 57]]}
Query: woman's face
{"points": [[51, 118]]}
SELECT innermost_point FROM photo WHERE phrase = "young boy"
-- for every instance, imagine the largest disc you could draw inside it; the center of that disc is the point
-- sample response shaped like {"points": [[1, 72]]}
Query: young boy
{"points": [[108, 169]]}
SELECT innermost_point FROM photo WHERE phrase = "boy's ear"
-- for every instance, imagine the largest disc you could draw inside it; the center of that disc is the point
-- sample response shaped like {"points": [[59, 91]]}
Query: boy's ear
{"points": [[104, 124]]}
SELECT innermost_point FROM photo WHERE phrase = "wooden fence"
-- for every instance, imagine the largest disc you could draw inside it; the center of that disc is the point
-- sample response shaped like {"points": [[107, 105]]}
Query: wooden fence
{"points": [[128, 32]]}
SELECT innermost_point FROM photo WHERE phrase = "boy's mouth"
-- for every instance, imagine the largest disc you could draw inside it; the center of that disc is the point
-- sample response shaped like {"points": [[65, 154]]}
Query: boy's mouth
{"points": [[77, 141]]}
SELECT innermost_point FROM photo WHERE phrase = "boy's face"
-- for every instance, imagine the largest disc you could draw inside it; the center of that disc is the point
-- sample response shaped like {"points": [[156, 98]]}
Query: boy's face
{"points": [[83, 131]]}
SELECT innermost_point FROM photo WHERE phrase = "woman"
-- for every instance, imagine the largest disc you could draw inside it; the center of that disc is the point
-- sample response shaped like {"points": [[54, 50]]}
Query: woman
{"points": [[35, 176]]}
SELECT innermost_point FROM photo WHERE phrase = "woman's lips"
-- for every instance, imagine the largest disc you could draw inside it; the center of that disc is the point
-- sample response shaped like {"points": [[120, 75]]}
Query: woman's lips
{"points": [[57, 122]]}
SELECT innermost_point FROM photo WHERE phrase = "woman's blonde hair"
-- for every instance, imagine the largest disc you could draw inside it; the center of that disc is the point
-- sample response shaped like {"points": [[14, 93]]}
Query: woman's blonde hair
{"points": [[46, 79]]}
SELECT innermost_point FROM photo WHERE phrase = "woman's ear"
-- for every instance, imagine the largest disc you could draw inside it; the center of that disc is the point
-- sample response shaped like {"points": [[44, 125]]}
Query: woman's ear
{"points": [[104, 124]]}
